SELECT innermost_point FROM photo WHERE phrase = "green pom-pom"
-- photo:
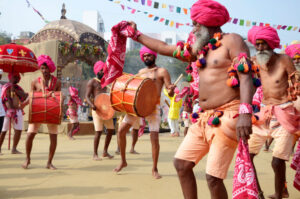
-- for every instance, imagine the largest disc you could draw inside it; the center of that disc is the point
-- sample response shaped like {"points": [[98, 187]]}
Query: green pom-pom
{"points": [[189, 78], [216, 121], [213, 41], [175, 53], [181, 54], [241, 68]]}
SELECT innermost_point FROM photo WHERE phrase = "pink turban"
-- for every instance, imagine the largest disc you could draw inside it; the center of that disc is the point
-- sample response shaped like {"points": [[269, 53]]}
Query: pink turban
{"points": [[266, 33], [293, 50], [209, 13], [99, 65], [45, 59], [10, 75], [144, 50]]}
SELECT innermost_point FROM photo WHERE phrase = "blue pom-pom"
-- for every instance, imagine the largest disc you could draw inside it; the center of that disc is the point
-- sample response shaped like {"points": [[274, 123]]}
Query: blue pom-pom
{"points": [[195, 115], [256, 82], [203, 61]]}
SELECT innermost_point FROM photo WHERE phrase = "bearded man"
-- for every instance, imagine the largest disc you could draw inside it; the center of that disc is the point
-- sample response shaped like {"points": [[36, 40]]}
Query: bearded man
{"points": [[215, 52], [277, 117]]}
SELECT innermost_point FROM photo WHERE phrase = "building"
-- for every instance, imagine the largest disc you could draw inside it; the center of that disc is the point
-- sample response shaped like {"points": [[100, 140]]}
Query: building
{"points": [[94, 20], [24, 37]]}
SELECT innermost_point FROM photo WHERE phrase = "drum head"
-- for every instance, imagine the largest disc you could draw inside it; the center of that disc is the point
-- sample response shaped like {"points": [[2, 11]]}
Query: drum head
{"points": [[104, 109]]}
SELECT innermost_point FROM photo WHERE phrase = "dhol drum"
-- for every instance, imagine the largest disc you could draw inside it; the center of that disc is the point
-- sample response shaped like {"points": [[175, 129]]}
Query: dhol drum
{"points": [[104, 108], [134, 95], [45, 108]]}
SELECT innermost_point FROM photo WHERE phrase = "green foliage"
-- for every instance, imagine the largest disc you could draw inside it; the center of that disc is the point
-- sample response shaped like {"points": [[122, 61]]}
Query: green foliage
{"points": [[133, 64], [5, 38], [87, 71]]}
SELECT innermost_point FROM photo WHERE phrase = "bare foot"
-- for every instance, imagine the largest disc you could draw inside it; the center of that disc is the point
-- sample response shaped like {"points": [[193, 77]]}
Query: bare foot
{"points": [[156, 175], [266, 149], [120, 167], [51, 167], [26, 164], [285, 194], [16, 152], [117, 152], [133, 152], [107, 155], [96, 158]]}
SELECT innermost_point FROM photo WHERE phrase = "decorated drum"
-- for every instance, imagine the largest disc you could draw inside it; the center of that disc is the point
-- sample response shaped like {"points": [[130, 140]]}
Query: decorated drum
{"points": [[134, 95], [45, 107], [104, 108]]}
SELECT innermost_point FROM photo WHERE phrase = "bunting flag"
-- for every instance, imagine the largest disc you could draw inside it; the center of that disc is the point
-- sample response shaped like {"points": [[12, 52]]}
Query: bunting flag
{"points": [[186, 11], [35, 10]]}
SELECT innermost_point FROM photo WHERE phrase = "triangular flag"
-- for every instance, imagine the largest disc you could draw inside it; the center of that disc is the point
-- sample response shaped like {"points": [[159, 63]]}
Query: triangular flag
{"points": [[178, 9], [117, 2], [150, 15], [143, 2], [178, 24], [161, 19], [149, 2], [235, 21], [248, 23], [156, 18], [171, 8], [164, 5], [254, 23], [290, 28], [145, 12], [284, 27], [185, 11], [167, 22], [129, 8], [261, 24], [241, 22], [133, 11], [156, 4], [136, 1], [122, 6], [295, 28], [172, 23], [267, 24], [278, 27]]}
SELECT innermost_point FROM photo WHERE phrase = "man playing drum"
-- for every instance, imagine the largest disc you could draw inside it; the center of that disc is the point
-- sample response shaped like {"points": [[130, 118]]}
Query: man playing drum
{"points": [[13, 97], [93, 89], [161, 77], [45, 83]]}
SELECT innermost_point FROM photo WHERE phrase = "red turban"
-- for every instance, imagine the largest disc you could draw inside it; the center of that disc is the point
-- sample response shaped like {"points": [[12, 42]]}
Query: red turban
{"points": [[45, 59], [99, 65], [266, 33], [293, 50], [144, 50], [209, 13]]}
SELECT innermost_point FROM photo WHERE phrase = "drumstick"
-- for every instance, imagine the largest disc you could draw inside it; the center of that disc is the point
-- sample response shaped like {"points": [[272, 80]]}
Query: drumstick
{"points": [[178, 79], [166, 101]]}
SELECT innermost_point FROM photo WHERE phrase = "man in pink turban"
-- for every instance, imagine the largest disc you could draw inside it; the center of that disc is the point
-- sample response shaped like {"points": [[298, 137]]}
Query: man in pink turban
{"points": [[13, 97], [294, 52], [214, 52], [277, 117], [46, 83], [161, 77], [93, 89]]}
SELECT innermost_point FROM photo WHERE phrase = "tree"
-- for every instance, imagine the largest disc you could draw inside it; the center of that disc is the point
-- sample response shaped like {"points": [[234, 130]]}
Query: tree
{"points": [[5, 38]]}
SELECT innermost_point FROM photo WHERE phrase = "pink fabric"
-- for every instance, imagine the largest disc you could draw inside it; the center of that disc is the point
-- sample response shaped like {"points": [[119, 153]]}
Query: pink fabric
{"points": [[209, 13], [265, 33], [142, 128], [45, 59], [293, 50], [98, 66], [75, 130], [183, 93], [74, 95], [296, 166], [244, 181], [195, 76], [10, 75], [116, 52], [288, 117], [144, 50], [176, 90], [4, 94], [257, 97]]}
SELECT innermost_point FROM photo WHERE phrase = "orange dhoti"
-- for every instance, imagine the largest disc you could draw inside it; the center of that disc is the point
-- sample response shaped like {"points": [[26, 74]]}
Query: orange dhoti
{"points": [[219, 142]]}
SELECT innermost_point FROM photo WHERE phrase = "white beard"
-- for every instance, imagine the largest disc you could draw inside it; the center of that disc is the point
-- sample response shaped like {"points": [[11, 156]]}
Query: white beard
{"points": [[202, 38], [263, 57], [297, 66]]}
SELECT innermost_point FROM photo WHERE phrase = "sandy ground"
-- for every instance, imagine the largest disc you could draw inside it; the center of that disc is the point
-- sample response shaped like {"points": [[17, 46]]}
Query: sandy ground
{"points": [[78, 176]]}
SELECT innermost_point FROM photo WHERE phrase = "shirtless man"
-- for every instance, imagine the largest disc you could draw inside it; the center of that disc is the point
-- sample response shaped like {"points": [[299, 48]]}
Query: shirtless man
{"points": [[219, 142], [277, 116], [161, 77], [50, 83], [13, 97], [93, 89]]}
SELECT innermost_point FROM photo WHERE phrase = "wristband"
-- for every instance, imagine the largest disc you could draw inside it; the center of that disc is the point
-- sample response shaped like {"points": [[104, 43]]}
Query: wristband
{"points": [[245, 108]]}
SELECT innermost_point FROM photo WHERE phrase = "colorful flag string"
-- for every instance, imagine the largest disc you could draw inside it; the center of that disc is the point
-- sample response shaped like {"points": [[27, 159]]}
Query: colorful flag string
{"points": [[35, 10]]}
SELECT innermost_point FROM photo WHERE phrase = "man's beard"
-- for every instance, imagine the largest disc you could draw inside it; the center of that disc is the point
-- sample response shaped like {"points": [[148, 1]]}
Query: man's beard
{"points": [[297, 66], [263, 57], [202, 38], [149, 62], [99, 76]]}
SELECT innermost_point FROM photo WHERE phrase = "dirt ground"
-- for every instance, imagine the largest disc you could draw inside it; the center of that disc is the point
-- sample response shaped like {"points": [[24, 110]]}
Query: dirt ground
{"points": [[78, 176]]}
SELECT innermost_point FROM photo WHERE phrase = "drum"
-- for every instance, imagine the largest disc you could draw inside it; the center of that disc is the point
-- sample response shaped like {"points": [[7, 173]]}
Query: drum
{"points": [[45, 108], [134, 95], [104, 108]]}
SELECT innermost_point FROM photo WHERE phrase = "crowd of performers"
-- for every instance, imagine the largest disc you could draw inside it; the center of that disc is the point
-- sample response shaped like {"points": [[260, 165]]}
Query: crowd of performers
{"points": [[226, 78]]}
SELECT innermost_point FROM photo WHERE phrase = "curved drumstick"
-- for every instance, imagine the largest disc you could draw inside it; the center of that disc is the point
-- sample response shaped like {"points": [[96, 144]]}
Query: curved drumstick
{"points": [[178, 79]]}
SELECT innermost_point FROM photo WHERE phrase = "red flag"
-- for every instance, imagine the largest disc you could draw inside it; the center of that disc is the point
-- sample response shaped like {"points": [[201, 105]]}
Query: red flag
{"points": [[244, 181]]}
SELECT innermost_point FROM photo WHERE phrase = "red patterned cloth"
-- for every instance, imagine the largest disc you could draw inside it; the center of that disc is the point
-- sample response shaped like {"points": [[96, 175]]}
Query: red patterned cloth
{"points": [[142, 128], [296, 166], [116, 51], [244, 181]]}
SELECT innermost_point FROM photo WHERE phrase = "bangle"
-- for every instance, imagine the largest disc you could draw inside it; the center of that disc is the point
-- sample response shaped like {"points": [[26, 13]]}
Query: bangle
{"points": [[245, 108]]}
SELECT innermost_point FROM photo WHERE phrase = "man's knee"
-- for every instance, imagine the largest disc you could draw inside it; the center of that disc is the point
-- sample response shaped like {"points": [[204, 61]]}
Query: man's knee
{"points": [[277, 163], [213, 181], [182, 166]]}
